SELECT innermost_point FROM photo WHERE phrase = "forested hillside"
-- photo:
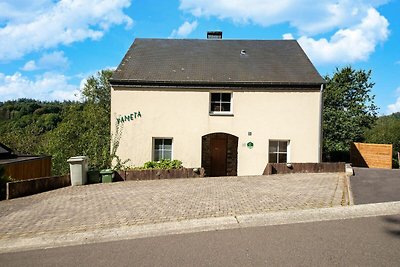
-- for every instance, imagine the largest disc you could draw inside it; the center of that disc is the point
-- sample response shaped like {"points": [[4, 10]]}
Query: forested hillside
{"points": [[62, 129]]}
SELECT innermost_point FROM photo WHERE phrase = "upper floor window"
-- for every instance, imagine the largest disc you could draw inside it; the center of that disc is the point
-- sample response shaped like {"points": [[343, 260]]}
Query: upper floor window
{"points": [[278, 151], [221, 103]]}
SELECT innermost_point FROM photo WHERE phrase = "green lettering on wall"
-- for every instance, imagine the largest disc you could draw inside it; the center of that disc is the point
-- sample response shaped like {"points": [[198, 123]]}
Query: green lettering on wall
{"points": [[129, 117]]}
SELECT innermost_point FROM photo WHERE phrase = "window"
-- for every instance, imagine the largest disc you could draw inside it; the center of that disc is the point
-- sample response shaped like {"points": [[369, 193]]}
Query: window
{"points": [[162, 148], [278, 151], [221, 103]]}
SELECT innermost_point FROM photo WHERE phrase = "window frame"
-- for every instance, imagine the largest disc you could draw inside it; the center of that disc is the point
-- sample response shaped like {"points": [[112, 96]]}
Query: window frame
{"points": [[221, 113], [153, 157], [278, 152]]}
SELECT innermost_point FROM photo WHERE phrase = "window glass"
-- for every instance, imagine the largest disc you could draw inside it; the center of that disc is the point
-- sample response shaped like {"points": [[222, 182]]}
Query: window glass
{"points": [[215, 107], [282, 146], [226, 107], [157, 155], [273, 157], [278, 151], [158, 143], [162, 149], [273, 146], [167, 154], [215, 97], [226, 97], [220, 102], [168, 144], [282, 158]]}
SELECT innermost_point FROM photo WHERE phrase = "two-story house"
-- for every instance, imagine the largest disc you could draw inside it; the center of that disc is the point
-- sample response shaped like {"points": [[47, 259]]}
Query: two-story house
{"points": [[230, 106]]}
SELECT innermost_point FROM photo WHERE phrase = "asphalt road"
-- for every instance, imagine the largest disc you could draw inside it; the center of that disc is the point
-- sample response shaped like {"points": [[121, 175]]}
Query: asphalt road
{"points": [[373, 241], [375, 185]]}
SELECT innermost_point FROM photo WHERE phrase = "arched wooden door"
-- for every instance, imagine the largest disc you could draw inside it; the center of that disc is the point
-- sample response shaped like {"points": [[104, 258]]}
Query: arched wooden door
{"points": [[219, 154]]}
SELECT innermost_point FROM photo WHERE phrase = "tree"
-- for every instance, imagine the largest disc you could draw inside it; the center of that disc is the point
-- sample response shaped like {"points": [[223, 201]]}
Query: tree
{"points": [[85, 128], [386, 130], [97, 90], [62, 129], [349, 110]]}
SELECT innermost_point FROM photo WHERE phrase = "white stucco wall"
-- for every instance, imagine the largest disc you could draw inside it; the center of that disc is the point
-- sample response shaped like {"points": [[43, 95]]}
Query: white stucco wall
{"points": [[184, 116]]}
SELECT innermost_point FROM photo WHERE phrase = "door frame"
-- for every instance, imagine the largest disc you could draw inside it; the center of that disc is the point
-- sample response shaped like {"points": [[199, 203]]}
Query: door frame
{"points": [[231, 158]]}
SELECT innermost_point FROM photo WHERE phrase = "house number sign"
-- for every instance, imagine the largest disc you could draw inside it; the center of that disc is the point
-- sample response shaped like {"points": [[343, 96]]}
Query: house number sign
{"points": [[250, 145], [129, 117]]}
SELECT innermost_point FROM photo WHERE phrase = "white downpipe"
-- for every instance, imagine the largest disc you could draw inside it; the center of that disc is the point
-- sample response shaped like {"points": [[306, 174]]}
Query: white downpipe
{"points": [[321, 107]]}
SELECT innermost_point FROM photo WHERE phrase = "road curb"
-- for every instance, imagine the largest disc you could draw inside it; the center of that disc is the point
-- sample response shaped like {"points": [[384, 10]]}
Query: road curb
{"points": [[199, 225]]}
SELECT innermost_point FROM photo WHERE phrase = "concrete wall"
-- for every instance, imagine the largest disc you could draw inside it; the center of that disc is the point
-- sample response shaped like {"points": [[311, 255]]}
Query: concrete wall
{"points": [[184, 116]]}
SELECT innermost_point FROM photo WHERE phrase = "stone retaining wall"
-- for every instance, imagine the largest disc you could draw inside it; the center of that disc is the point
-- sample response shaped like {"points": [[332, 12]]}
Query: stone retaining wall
{"points": [[159, 174], [282, 168], [34, 186]]}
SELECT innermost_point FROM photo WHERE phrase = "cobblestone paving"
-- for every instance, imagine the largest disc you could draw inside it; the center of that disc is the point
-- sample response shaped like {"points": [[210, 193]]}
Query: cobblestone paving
{"points": [[82, 208]]}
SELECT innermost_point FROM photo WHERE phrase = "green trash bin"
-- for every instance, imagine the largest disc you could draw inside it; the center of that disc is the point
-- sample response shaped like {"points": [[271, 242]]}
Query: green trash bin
{"points": [[107, 175]]}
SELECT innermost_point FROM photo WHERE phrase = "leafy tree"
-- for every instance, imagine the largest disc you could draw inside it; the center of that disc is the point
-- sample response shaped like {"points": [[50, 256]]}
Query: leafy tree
{"points": [[85, 128], [349, 110], [97, 89], [386, 130]]}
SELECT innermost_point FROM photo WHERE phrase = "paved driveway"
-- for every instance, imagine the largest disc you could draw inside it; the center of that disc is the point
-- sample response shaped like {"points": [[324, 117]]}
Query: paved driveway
{"points": [[375, 185], [103, 206]]}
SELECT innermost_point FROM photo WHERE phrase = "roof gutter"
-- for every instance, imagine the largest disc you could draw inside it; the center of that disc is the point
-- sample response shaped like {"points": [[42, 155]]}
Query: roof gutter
{"points": [[207, 84]]}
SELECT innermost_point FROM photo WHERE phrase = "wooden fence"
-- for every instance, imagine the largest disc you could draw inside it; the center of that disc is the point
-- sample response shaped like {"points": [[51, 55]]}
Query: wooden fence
{"points": [[371, 155], [31, 167]]}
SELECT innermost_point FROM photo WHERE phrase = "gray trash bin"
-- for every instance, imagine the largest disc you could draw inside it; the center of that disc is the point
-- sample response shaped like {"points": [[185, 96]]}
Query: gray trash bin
{"points": [[78, 170]]}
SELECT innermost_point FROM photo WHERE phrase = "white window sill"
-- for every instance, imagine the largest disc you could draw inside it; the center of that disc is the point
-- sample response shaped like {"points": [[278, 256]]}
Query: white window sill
{"points": [[221, 114]]}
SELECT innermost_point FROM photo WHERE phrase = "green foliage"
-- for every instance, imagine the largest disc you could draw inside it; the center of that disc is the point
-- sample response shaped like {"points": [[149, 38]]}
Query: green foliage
{"points": [[62, 129], [85, 128], [97, 89], [349, 110], [162, 164], [386, 130]]}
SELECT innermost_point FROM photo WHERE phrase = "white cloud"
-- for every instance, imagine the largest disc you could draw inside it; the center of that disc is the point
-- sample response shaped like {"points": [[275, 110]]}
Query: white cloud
{"points": [[287, 36], [184, 30], [48, 24], [348, 45], [308, 16], [357, 25], [392, 108], [30, 66], [48, 61], [49, 86]]}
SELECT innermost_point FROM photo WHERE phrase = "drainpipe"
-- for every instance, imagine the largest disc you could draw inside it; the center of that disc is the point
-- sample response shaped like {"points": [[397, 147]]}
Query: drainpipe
{"points": [[321, 107]]}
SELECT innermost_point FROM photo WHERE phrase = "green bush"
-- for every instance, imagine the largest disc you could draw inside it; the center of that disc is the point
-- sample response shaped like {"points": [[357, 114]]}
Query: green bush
{"points": [[165, 164]]}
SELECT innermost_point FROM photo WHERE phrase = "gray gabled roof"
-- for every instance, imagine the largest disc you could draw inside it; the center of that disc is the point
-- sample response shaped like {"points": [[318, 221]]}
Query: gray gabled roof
{"points": [[168, 62]]}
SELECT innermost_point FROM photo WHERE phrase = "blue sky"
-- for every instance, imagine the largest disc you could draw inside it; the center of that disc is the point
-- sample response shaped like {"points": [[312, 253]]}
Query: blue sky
{"points": [[49, 47]]}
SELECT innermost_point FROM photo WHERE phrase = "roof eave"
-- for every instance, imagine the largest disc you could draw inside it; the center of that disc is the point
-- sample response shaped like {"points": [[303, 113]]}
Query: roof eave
{"points": [[207, 84]]}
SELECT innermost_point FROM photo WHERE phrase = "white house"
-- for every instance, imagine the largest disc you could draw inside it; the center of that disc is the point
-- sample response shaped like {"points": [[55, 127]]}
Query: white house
{"points": [[230, 106]]}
